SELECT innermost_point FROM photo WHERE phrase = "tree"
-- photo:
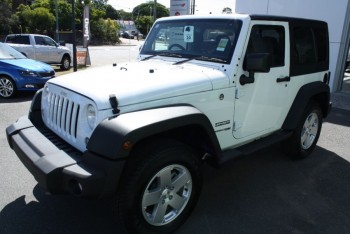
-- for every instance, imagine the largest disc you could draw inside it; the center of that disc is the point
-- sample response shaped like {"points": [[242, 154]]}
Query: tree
{"points": [[111, 12], [144, 24], [146, 9], [39, 19], [64, 15], [8, 20], [104, 32], [143, 15], [24, 16], [111, 31], [42, 20], [125, 15], [42, 3]]}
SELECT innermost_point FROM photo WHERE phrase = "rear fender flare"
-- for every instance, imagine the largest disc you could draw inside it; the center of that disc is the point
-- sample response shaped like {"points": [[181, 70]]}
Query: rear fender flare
{"points": [[317, 91]]}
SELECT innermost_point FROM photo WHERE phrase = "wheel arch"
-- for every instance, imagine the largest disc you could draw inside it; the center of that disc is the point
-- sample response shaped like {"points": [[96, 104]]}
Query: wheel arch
{"points": [[7, 75], [66, 54], [316, 91], [182, 123]]}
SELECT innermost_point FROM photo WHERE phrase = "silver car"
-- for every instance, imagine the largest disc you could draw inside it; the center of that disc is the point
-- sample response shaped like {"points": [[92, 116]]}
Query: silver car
{"points": [[41, 48]]}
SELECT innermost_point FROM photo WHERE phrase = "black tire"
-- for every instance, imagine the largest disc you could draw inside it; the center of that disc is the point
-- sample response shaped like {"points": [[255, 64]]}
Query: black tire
{"points": [[65, 63], [306, 134], [7, 87], [159, 188]]}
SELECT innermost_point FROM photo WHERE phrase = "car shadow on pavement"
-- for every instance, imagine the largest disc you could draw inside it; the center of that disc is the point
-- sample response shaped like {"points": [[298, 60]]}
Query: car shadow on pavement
{"points": [[20, 97], [59, 214], [269, 193], [261, 193]]}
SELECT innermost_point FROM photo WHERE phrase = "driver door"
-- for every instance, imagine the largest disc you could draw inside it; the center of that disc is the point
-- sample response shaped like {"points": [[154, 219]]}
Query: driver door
{"points": [[46, 49], [259, 105]]}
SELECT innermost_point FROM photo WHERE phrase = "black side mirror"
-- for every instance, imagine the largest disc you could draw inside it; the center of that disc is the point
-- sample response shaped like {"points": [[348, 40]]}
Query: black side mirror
{"points": [[255, 62]]}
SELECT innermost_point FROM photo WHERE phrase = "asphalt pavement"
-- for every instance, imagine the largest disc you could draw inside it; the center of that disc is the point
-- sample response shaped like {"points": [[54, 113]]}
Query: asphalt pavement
{"points": [[262, 193]]}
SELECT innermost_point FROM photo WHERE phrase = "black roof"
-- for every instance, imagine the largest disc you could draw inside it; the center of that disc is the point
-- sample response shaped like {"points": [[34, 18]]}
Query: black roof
{"points": [[284, 18]]}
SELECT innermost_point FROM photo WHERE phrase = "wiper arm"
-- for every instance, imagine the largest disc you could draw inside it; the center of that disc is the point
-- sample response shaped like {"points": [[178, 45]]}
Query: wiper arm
{"points": [[149, 57], [182, 61], [168, 54], [204, 58], [163, 54]]}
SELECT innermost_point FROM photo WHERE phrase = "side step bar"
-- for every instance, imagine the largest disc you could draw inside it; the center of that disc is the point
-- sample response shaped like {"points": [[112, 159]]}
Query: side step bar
{"points": [[254, 146]]}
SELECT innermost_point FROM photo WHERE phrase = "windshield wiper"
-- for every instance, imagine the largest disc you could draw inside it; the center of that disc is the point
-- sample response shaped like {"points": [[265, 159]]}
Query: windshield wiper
{"points": [[164, 54], [182, 61], [149, 57], [206, 58], [203, 58], [168, 54]]}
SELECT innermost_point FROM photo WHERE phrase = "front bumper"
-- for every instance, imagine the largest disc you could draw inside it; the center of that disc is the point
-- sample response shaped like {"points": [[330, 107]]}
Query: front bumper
{"points": [[58, 167]]}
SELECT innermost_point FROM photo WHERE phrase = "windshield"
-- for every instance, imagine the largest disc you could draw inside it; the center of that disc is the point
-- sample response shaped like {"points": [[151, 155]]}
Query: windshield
{"points": [[203, 39], [7, 52]]}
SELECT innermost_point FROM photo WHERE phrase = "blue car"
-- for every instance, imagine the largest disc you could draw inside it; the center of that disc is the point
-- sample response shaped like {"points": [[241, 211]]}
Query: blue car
{"points": [[18, 73]]}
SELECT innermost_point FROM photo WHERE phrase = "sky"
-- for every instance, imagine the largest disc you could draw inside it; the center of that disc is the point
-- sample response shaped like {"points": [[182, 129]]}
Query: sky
{"points": [[202, 6]]}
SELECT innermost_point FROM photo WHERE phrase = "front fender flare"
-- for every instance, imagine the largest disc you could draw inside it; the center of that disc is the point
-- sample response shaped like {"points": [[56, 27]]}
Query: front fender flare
{"points": [[109, 136]]}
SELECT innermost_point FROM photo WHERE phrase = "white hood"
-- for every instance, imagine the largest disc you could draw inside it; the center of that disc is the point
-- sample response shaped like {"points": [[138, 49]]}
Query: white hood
{"points": [[142, 82]]}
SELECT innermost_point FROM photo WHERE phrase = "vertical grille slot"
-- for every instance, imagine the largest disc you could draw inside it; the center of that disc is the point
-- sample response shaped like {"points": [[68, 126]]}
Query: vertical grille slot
{"points": [[63, 114]]}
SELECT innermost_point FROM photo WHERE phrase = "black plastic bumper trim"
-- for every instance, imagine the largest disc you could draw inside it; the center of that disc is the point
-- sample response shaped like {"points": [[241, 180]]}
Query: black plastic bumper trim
{"points": [[54, 169]]}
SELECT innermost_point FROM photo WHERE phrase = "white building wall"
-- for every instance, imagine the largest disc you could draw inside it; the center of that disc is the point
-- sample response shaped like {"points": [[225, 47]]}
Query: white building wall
{"points": [[333, 12]]}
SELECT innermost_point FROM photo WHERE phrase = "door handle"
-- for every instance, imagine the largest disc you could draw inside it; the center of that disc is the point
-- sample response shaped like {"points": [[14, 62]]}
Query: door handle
{"points": [[284, 79]]}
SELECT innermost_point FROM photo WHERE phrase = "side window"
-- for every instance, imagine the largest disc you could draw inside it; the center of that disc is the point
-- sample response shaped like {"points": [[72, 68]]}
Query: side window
{"points": [[49, 41], [321, 44], [39, 40], [18, 40], [309, 47], [268, 39], [305, 50]]}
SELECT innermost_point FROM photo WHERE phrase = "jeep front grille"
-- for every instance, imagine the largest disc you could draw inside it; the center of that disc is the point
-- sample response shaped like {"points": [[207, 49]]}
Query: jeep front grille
{"points": [[63, 114]]}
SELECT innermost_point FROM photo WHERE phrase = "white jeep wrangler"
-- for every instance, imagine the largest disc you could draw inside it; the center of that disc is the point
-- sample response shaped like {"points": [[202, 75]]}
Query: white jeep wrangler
{"points": [[204, 89]]}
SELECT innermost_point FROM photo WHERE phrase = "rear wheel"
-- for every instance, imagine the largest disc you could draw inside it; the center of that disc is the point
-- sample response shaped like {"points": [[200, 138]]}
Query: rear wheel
{"points": [[160, 187], [7, 87], [305, 136], [65, 63]]}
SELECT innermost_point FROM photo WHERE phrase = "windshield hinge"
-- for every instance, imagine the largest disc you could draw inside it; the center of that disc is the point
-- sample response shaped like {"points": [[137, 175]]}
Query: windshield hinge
{"points": [[236, 126], [239, 93]]}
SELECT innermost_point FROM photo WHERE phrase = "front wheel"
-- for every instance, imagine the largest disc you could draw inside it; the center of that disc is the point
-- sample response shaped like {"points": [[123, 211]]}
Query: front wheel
{"points": [[65, 63], [7, 87], [305, 136], [160, 187]]}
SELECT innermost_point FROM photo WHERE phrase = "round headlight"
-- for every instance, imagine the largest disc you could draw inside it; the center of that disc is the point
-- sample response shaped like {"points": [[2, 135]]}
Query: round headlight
{"points": [[46, 91], [91, 116]]}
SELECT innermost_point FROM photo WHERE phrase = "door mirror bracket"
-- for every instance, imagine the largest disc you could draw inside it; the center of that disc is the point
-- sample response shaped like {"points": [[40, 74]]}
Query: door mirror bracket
{"points": [[255, 62]]}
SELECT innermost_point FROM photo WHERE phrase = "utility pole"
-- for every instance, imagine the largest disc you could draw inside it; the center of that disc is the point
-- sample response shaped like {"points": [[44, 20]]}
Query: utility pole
{"points": [[155, 11], [75, 67], [57, 34], [194, 6]]}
